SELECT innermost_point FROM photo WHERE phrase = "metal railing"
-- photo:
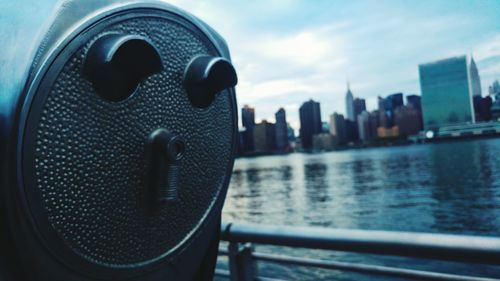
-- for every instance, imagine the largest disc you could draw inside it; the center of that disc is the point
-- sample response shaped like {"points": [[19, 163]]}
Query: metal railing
{"points": [[445, 247]]}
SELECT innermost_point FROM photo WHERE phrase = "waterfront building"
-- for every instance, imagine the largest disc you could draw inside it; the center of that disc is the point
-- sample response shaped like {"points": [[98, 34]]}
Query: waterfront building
{"points": [[248, 122], [291, 134], [248, 117], [391, 103], [359, 106], [374, 122], [241, 141], [281, 130], [475, 81], [324, 142], [325, 128], [414, 101], [446, 92], [351, 128], [383, 120], [310, 122], [482, 108], [349, 104], [264, 137], [364, 131], [494, 91], [380, 103], [407, 119], [392, 132], [337, 127]]}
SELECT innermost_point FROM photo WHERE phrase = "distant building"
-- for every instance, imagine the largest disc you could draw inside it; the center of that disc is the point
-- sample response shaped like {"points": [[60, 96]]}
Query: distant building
{"points": [[391, 103], [359, 106], [248, 122], [446, 92], [281, 130], [248, 117], [349, 104], [291, 134], [264, 137], [325, 128], [414, 101], [337, 127], [475, 82], [310, 122], [482, 108], [407, 119], [494, 90], [364, 131], [383, 132], [374, 122], [241, 142], [323, 142], [351, 128], [380, 103]]}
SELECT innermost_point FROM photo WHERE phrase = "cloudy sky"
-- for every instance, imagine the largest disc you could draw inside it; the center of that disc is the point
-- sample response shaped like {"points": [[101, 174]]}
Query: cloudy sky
{"points": [[288, 51]]}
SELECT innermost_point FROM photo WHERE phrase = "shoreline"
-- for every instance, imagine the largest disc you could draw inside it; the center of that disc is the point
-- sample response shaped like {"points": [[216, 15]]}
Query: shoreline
{"points": [[382, 144]]}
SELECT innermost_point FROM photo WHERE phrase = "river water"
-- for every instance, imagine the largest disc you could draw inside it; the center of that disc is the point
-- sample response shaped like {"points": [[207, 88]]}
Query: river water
{"points": [[442, 188]]}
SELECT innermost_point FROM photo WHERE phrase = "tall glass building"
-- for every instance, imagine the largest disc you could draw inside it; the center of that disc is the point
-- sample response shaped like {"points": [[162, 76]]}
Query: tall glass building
{"points": [[281, 130], [310, 122], [349, 104], [446, 92]]}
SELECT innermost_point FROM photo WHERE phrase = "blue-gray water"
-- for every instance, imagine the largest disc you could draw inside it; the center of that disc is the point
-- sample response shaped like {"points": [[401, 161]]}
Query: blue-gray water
{"points": [[445, 188]]}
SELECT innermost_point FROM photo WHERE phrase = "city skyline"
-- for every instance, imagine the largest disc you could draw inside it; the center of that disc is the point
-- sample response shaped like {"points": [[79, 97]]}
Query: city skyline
{"points": [[288, 51]]}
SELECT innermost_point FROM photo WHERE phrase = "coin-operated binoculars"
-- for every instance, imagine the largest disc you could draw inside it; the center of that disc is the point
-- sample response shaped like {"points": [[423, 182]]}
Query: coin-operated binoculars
{"points": [[118, 129]]}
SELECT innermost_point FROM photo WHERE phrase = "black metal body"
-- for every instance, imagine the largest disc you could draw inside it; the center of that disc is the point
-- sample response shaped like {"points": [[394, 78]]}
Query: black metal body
{"points": [[90, 190]]}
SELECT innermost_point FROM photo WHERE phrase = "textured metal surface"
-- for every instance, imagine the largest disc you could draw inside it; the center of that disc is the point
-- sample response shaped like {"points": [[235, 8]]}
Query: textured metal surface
{"points": [[89, 153]]}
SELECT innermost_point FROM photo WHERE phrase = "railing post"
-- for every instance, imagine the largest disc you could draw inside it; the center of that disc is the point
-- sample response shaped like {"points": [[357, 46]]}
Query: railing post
{"points": [[241, 263]]}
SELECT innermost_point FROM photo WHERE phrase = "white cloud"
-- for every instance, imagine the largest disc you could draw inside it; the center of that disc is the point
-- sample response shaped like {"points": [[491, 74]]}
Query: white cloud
{"points": [[488, 48], [288, 51]]}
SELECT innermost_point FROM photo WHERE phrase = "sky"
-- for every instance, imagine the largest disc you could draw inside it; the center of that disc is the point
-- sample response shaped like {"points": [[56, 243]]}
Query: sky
{"points": [[289, 51]]}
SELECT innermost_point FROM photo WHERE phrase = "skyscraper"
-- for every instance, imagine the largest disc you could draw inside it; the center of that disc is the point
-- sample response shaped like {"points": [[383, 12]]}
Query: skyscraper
{"points": [[390, 104], [446, 92], [364, 126], [248, 122], [359, 106], [265, 137], [393, 101], [310, 122], [407, 119], [349, 104], [374, 121], [291, 134], [337, 127], [248, 117], [414, 101], [380, 103], [281, 130], [475, 82], [494, 90]]}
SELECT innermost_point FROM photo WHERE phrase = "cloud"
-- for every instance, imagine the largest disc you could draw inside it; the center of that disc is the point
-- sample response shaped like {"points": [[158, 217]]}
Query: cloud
{"points": [[487, 49], [487, 56], [289, 51]]}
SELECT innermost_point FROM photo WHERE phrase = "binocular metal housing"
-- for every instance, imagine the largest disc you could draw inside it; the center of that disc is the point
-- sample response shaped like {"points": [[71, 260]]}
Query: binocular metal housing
{"points": [[118, 132]]}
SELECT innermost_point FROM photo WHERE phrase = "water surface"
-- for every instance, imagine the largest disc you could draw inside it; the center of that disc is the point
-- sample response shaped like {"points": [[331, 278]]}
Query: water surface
{"points": [[442, 188]]}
